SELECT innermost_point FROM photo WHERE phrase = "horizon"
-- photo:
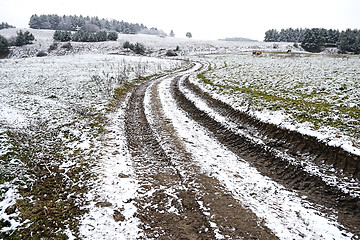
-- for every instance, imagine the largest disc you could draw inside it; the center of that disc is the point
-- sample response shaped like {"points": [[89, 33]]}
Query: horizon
{"points": [[247, 19]]}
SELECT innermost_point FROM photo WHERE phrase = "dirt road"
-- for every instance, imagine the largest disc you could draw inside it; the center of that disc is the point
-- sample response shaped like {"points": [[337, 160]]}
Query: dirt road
{"points": [[208, 171]]}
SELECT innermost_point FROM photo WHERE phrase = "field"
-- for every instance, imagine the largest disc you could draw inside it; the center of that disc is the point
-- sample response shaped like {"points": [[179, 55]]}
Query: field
{"points": [[314, 94], [53, 114], [97, 142]]}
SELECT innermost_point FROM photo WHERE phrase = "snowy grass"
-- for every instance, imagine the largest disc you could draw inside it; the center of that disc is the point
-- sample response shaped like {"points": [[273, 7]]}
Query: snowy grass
{"points": [[314, 94], [54, 112], [155, 45], [287, 214]]}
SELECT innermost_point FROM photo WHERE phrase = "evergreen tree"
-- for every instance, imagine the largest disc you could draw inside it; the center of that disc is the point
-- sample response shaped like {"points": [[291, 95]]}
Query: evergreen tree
{"points": [[332, 36], [314, 39], [73, 23], [35, 22], [189, 35], [285, 35], [28, 37], [62, 36], [349, 41], [5, 25], [80, 36], [172, 34], [139, 48], [128, 45], [54, 21], [100, 36], [4, 46], [44, 22], [272, 36], [112, 36], [20, 39]]}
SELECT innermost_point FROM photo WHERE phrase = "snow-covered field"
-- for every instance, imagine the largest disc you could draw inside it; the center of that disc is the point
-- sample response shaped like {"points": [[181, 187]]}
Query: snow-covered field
{"points": [[60, 105], [317, 95], [280, 208], [155, 45], [64, 108]]}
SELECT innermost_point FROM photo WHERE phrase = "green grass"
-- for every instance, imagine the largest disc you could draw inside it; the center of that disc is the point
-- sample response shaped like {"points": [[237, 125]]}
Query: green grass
{"points": [[318, 113], [46, 189]]}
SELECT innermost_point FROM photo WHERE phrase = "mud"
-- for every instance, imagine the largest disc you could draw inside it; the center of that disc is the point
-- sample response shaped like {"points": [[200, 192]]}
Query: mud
{"points": [[177, 201], [345, 206]]}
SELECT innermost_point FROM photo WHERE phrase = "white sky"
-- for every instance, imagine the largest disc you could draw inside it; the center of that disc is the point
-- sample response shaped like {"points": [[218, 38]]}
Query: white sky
{"points": [[205, 19]]}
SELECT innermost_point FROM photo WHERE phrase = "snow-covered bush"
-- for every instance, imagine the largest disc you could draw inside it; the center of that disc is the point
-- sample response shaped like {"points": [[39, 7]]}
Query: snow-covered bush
{"points": [[138, 48], [4, 46], [112, 36], [24, 38], [62, 36]]}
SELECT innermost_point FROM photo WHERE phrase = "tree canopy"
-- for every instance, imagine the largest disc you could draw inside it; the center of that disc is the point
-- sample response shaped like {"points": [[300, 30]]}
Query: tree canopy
{"points": [[91, 24], [316, 39], [5, 25]]}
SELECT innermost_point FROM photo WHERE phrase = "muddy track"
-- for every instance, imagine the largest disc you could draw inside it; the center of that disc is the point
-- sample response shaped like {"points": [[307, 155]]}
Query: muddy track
{"points": [[176, 200], [180, 200], [268, 158]]}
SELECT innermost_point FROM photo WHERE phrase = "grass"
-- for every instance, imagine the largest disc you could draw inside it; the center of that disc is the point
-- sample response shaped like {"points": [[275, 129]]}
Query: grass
{"points": [[46, 189], [53, 197], [303, 107]]}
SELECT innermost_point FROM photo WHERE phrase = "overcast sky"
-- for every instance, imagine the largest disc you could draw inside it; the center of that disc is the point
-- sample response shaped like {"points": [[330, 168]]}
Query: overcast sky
{"points": [[203, 18]]}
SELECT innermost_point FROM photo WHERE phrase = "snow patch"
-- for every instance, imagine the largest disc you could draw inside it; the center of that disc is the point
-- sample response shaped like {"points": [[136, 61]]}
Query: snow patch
{"points": [[9, 198], [116, 186], [284, 212]]}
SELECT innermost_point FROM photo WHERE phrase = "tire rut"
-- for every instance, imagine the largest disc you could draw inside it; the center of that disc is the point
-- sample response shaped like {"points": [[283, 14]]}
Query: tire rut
{"points": [[292, 176], [232, 220], [162, 185]]}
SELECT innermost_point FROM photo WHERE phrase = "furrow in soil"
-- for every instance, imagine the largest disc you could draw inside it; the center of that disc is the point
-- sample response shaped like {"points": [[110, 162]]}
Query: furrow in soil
{"points": [[281, 155]]}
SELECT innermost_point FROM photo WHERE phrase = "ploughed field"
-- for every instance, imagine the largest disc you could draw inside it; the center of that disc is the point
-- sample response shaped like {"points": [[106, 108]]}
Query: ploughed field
{"points": [[226, 146]]}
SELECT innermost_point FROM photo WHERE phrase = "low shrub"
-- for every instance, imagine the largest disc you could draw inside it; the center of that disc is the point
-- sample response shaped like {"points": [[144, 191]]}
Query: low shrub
{"points": [[41, 54], [138, 48], [4, 46]]}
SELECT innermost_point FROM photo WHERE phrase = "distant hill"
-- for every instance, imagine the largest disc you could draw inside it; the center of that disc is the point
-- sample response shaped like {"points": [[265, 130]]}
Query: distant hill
{"points": [[238, 39]]}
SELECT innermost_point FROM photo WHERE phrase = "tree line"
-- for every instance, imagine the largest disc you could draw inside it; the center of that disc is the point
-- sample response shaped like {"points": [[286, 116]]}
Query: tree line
{"points": [[5, 25], [84, 36], [91, 24], [317, 39]]}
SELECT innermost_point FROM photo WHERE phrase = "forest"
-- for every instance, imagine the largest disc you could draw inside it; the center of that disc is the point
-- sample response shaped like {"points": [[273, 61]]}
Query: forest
{"points": [[91, 24], [317, 39], [5, 25]]}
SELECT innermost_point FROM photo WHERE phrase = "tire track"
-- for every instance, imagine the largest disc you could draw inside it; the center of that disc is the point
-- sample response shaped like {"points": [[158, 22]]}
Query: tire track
{"points": [[226, 216], [165, 207], [176, 200], [334, 201]]}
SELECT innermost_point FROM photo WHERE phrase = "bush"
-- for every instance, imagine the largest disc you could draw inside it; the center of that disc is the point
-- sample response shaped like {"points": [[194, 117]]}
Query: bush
{"points": [[171, 53], [313, 39], [112, 36], [67, 46], [5, 25], [100, 36], [128, 45], [349, 41], [41, 54], [24, 38], [87, 36], [138, 48], [4, 45], [81, 36], [53, 47], [62, 36]]}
